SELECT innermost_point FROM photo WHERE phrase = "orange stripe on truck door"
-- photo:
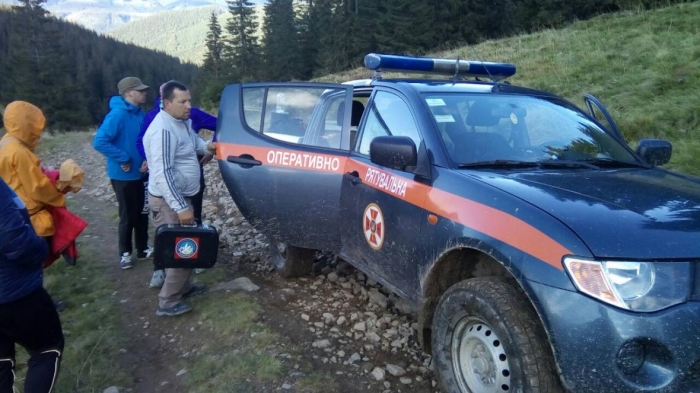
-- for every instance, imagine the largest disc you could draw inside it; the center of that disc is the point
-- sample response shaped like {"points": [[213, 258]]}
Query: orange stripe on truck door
{"points": [[497, 224], [485, 219], [285, 158]]}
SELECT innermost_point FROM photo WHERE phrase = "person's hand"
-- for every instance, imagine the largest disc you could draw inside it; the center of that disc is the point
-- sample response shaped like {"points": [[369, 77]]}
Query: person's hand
{"points": [[206, 158], [211, 146], [126, 167], [186, 217], [144, 167]]}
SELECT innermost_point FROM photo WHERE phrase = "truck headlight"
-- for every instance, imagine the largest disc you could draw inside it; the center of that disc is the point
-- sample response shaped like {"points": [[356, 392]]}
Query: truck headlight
{"points": [[636, 286]]}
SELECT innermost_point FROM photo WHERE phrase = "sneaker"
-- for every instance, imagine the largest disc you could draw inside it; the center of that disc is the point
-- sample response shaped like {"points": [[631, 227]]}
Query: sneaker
{"points": [[195, 289], [175, 310], [158, 279], [145, 254], [126, 262]]}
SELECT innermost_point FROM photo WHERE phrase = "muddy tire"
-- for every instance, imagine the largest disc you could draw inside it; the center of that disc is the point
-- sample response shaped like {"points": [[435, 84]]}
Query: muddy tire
{"points": [[290, 261], [486, 338]]}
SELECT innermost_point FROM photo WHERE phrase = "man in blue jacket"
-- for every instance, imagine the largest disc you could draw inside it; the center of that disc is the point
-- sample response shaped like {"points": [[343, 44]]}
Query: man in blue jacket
{"points": [[27, 313], [116, 139]]}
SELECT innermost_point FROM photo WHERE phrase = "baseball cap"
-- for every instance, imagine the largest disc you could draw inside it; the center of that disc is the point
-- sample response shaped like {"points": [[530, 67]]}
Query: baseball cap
{"points": [[130, 83]]}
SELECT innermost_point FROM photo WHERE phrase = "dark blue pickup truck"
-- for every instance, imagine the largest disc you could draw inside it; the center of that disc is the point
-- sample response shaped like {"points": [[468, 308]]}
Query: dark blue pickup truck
{"points": [[541, 252]]}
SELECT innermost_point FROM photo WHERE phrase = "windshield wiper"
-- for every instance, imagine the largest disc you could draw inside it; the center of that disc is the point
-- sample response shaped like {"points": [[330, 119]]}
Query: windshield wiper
{"points": [[528, 164], [609, 162], [567, 164], [500, 164]]}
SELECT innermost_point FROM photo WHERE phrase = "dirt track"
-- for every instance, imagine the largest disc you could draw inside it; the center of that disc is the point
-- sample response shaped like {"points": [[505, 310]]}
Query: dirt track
{"points": [[345, 326]]}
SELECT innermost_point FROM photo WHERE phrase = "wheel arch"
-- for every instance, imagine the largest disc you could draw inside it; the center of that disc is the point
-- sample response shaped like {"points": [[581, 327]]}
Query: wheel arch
{"points": [[458, 262]]}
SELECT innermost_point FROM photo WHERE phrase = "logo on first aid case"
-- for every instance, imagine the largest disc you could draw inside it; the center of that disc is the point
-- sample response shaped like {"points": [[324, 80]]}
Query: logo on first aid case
{"points": [[186, 247]]}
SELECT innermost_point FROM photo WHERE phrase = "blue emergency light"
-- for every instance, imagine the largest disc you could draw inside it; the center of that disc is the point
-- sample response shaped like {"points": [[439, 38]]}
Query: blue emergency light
{"points": [[495, 71]]}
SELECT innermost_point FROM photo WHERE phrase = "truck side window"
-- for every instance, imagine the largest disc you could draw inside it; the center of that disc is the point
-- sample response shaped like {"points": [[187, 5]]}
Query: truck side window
{"points": [[388, 115], [300, 115], [253, 106]]}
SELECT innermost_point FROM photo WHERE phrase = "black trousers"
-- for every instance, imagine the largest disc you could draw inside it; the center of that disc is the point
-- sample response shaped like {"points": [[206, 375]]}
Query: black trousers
{"points": [[33, 323], [133, 216], [198, 198]]}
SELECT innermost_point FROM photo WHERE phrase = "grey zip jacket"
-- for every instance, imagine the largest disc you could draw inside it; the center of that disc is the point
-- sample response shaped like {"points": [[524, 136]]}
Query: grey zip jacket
{"points": [[171, 151]]}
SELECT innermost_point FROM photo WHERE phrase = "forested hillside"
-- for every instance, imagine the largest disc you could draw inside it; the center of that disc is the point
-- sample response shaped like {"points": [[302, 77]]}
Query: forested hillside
{"points": [[71, 72], [179, 33], [643, 65], [303, 39]]}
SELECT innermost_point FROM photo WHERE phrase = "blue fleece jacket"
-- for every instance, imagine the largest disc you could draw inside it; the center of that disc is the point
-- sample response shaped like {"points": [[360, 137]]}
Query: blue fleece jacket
{"points": [[22, 252], [116, 139]]}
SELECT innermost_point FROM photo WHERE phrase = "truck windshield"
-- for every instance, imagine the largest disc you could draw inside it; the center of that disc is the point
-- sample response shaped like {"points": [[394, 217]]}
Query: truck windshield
{"points": [[480, 128]]}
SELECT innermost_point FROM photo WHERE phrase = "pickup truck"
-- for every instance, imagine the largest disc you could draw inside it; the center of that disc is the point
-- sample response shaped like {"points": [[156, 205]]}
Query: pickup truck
{"points": [[540, 252]]}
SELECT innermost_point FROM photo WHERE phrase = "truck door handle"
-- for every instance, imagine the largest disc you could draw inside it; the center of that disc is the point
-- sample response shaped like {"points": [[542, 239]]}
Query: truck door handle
{"points": [[243, 161], [353, 177]]}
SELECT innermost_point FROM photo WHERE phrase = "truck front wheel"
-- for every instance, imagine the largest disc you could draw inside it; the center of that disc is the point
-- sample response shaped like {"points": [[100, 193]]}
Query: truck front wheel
{"points": [[486, 338], [290, 261]]}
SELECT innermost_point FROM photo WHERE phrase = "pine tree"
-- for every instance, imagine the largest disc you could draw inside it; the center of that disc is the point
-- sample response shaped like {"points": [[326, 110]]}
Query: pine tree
{"points": [[322, 19], [488, 19], [406, 27], [41, 73], [341, 41], [215, 48], [68, 71], [280, 54], [35, 7], [213, 76], [242, 50], [364, 25], [306, 39]]}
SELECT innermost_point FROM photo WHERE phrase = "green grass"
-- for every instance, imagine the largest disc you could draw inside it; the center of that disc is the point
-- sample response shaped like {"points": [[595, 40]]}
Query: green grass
{"points": [[317, 383], [90, 324], [235, 353], [644, 66]]}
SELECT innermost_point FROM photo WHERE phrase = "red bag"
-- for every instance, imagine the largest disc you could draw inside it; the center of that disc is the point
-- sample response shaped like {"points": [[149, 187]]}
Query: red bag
{"points": [[68, 227]]}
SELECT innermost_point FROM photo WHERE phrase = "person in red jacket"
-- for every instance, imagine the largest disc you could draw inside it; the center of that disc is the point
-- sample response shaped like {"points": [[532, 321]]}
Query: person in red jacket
{"points": [[27, 313]]}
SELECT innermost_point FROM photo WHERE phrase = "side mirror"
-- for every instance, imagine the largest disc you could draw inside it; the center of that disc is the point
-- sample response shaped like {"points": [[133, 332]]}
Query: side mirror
{"points": [[655, 151], [395, 152]]}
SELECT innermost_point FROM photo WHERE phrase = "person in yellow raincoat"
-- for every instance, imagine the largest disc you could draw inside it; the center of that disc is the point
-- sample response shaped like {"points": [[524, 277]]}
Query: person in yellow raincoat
{"points": [[20, 168]]}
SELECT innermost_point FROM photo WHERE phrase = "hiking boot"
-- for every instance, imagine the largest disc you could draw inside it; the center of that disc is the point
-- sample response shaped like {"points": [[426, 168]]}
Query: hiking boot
{"points": [[175, 310], [126, 262], [60, 305], [195, 289], [68, 258], [145, 254], [158, 279]]}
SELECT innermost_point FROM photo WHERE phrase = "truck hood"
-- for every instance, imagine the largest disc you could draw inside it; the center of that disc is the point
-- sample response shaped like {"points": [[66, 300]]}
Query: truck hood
{"points": [[630, 213]]}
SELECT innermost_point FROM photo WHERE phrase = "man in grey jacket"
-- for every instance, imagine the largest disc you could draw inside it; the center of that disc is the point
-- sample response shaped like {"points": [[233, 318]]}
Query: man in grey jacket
{"points": [[171, 148]]}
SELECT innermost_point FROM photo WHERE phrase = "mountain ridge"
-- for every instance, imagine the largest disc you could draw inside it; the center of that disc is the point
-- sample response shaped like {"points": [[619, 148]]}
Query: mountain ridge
{"points": [[104, 16]]}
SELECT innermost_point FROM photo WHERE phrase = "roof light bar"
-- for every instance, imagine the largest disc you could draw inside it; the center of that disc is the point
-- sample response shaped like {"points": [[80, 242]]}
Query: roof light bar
{"points": [[495, 71]]}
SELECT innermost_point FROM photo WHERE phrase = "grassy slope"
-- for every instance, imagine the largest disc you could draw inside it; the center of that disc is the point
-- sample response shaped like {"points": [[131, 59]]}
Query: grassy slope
{"points": [[645, 66]]}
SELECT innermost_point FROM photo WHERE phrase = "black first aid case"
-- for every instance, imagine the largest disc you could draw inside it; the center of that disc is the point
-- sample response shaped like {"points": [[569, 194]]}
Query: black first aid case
{"points": [[185, 247]]}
